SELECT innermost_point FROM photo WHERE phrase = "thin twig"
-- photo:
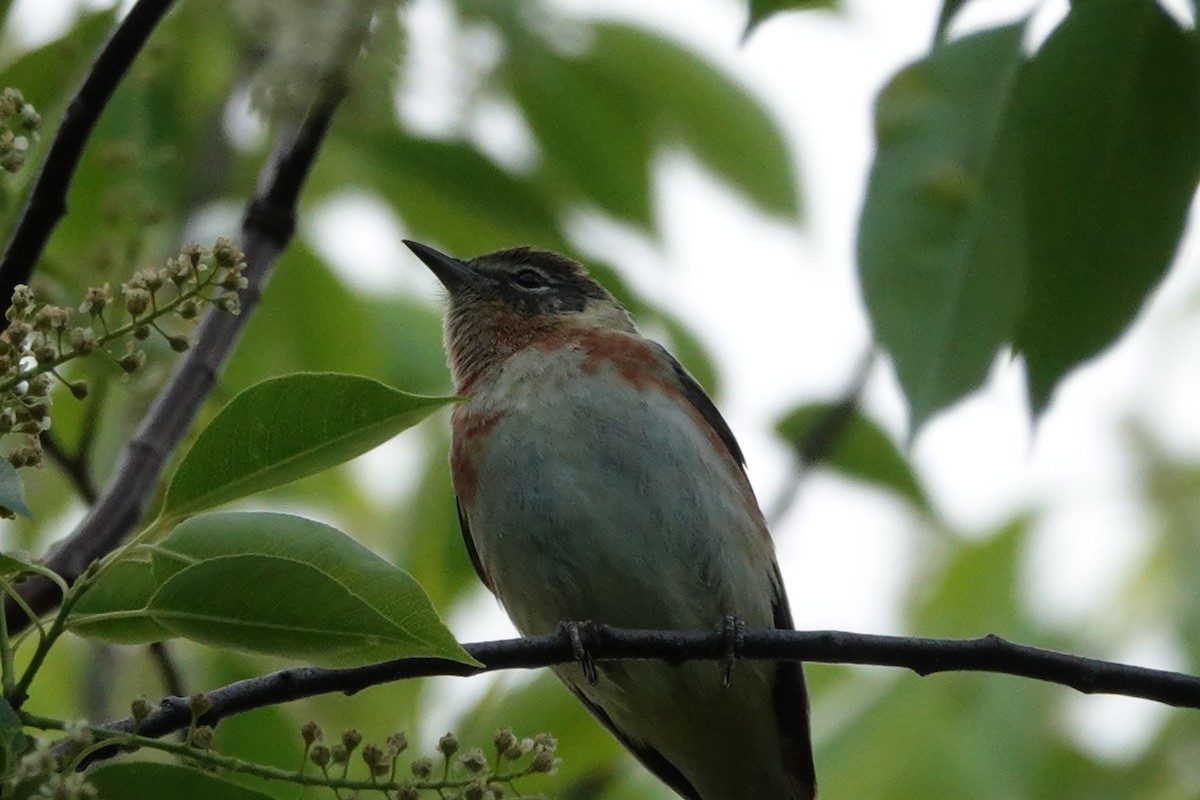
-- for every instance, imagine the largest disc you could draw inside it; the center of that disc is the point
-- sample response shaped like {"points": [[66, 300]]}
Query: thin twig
{"points": [[73, 465], [821, 439], [47, 202], [168, 668], [922, 655]]}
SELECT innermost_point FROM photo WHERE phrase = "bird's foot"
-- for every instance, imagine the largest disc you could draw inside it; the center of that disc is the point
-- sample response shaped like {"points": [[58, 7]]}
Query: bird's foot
{"points": [[573, 631], [733, 635]]}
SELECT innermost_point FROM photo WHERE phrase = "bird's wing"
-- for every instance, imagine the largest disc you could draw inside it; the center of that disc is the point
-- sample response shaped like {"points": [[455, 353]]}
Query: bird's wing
{"points": [[703, 404], [789, 696], [789, 699], [471, 551], [651, 759]]}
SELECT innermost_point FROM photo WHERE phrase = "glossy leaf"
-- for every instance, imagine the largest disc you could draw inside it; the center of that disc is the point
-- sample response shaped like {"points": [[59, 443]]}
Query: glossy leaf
{"points": [[116, 608], [857, 448], [1108, 115], [760, 10], [286, 428], [941, 245], [152, 781], [289, 586], [12, 491], [705, 109]]}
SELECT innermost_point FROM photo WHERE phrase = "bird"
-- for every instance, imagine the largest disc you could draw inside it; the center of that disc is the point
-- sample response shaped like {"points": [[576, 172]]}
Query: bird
{"points": [[597, 481]]}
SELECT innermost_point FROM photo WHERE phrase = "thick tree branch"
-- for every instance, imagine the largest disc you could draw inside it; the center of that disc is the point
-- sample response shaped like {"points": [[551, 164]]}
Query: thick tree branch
{"points": [[269, 222], [921, 655], [48, 201]]}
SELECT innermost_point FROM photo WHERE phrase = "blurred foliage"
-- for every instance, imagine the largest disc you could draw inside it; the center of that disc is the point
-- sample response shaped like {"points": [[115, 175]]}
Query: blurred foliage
{"points": [[602, 102], [996, 218], [761, 10]]}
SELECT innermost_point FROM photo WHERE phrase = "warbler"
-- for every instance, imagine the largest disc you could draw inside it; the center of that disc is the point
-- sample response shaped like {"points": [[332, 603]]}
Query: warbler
{"points": [[596, 481]]}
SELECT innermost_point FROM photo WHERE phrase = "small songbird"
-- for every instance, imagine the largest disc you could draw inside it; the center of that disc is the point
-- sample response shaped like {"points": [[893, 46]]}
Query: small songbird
{"points": [[597, 482]]}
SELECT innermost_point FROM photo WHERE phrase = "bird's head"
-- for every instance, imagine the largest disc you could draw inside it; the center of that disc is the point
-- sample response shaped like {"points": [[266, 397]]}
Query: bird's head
{"points": [[505, 301]]}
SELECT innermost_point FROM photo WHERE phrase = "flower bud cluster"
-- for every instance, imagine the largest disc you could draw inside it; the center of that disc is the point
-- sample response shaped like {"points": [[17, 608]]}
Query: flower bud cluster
{"points": [[469, 775], [20, 127], [40, 337]]}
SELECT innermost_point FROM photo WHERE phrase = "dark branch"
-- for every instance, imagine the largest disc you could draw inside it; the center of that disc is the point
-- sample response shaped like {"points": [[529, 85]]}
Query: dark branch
{"points": [[48, 201], [267, 227], [923, 656]]}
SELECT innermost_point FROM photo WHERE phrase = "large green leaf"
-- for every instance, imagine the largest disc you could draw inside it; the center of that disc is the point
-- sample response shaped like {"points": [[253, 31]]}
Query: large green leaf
{"points": [[12, 491], [858, 448], [696, 103], [152, 781], [286, 428], [114, 610], [289, 586], [1108, 116], [941, 248]]}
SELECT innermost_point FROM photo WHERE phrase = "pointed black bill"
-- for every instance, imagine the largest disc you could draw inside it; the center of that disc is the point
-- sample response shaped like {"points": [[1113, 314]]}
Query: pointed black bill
{"points": [[452, 272]]}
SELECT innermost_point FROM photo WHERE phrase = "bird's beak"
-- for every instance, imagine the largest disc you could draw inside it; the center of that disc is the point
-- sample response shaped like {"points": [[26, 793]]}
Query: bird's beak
{"points": [[454, 273]]}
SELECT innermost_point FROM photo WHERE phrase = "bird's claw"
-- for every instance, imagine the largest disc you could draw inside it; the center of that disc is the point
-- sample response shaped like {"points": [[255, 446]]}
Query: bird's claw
{"points": [[733, 634], [572, 630]]}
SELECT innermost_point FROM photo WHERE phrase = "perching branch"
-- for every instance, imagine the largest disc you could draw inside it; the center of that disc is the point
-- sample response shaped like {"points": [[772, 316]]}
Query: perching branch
{"points": [[921, 655], [47, 203]]}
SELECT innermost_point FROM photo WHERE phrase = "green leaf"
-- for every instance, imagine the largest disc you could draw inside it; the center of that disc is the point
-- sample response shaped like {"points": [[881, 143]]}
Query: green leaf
{"points": [[1109, 119], [304, 287], [941, 247], [761, 9], [13, 565], [13, 739], [12, 491], [151, 781], [116, 608], [331, 600], [595, 133], [48, 75], [286, 428], [700, 105], [858, 448], [446, 192]]}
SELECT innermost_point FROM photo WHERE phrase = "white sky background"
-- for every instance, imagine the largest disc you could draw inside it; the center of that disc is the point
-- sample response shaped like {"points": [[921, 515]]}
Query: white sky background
{"points": [[779, 308]]}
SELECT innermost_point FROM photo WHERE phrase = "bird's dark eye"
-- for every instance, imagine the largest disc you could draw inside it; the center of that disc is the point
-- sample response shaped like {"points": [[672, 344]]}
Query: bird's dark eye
{"points": [[530, 279]]}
